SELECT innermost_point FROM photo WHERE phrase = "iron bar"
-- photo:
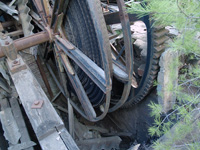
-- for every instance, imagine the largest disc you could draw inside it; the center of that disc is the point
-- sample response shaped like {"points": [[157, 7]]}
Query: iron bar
{"points": [[80, 92], [47, 10], [41, 11], [60, 7], [15, 33], [29, 41], [32, 40]]}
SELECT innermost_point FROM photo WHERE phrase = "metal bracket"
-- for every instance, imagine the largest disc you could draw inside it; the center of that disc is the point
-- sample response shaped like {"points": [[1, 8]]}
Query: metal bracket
{"points": [[14, 61], [8, 47], [16, 65]]}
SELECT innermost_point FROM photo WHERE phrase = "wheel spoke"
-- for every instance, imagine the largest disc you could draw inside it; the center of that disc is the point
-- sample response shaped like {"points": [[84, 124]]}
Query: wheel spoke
{"points": [[60, 7], [41, 10], [83, 98], [47, 9], [95, 73]]}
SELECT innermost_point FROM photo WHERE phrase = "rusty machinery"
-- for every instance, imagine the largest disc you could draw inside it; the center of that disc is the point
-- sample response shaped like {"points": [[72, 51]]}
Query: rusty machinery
{"points": [[76, 31]]}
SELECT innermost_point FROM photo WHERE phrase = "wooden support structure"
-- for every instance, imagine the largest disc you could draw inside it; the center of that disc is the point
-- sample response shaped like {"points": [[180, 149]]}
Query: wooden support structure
{"points": [[47, 125]]}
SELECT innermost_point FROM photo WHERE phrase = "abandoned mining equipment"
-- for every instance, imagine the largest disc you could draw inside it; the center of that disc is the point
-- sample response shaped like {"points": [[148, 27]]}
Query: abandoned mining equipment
{"points": [[99, 78], [77, 33]]}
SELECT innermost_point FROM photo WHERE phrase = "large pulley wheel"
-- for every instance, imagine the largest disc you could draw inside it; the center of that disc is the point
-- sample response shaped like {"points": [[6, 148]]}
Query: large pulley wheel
{"points": [[84, 26], [80, 28], [78, 32], [81, 47], [156, 37]]}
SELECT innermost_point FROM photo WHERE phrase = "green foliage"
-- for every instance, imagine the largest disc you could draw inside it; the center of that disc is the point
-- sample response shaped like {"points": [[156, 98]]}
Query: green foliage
{"points": [[184, 15], [156, 109]]}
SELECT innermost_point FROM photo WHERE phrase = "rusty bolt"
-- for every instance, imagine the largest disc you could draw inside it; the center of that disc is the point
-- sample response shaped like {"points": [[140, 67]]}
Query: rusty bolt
{"points": [[36, 102], [15, 62], [7, 43]]}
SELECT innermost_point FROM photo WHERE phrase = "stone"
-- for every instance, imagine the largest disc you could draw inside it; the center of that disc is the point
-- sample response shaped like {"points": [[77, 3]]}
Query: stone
{"points": [[167, 75], [172, 31], [142, 46], [139, 34]]}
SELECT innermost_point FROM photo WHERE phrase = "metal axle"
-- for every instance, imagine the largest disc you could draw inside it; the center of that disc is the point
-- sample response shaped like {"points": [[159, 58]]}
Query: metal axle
{"points": [[27, 42]]}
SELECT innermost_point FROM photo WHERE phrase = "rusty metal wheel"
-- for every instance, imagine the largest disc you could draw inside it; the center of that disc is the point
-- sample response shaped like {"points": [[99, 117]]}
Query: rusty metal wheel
{"points": [[88, 63], [146, 68], [77, 31], [81, 31], [146, 72]]}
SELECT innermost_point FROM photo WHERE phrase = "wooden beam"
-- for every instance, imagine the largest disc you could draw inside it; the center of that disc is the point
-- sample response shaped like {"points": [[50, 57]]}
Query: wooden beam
{"points": [[47, 125]]}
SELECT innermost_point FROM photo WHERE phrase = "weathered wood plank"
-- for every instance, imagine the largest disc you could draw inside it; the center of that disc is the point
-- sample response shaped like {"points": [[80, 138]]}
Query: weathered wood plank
{"points": [[44, 120], [25, 138], [11, 130], [22, 146], [53, 142], [65, 136]]}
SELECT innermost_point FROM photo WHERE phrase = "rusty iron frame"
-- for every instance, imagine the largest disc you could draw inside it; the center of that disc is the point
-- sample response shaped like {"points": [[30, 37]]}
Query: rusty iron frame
{"points": [[29, 41], [51, 22]]}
